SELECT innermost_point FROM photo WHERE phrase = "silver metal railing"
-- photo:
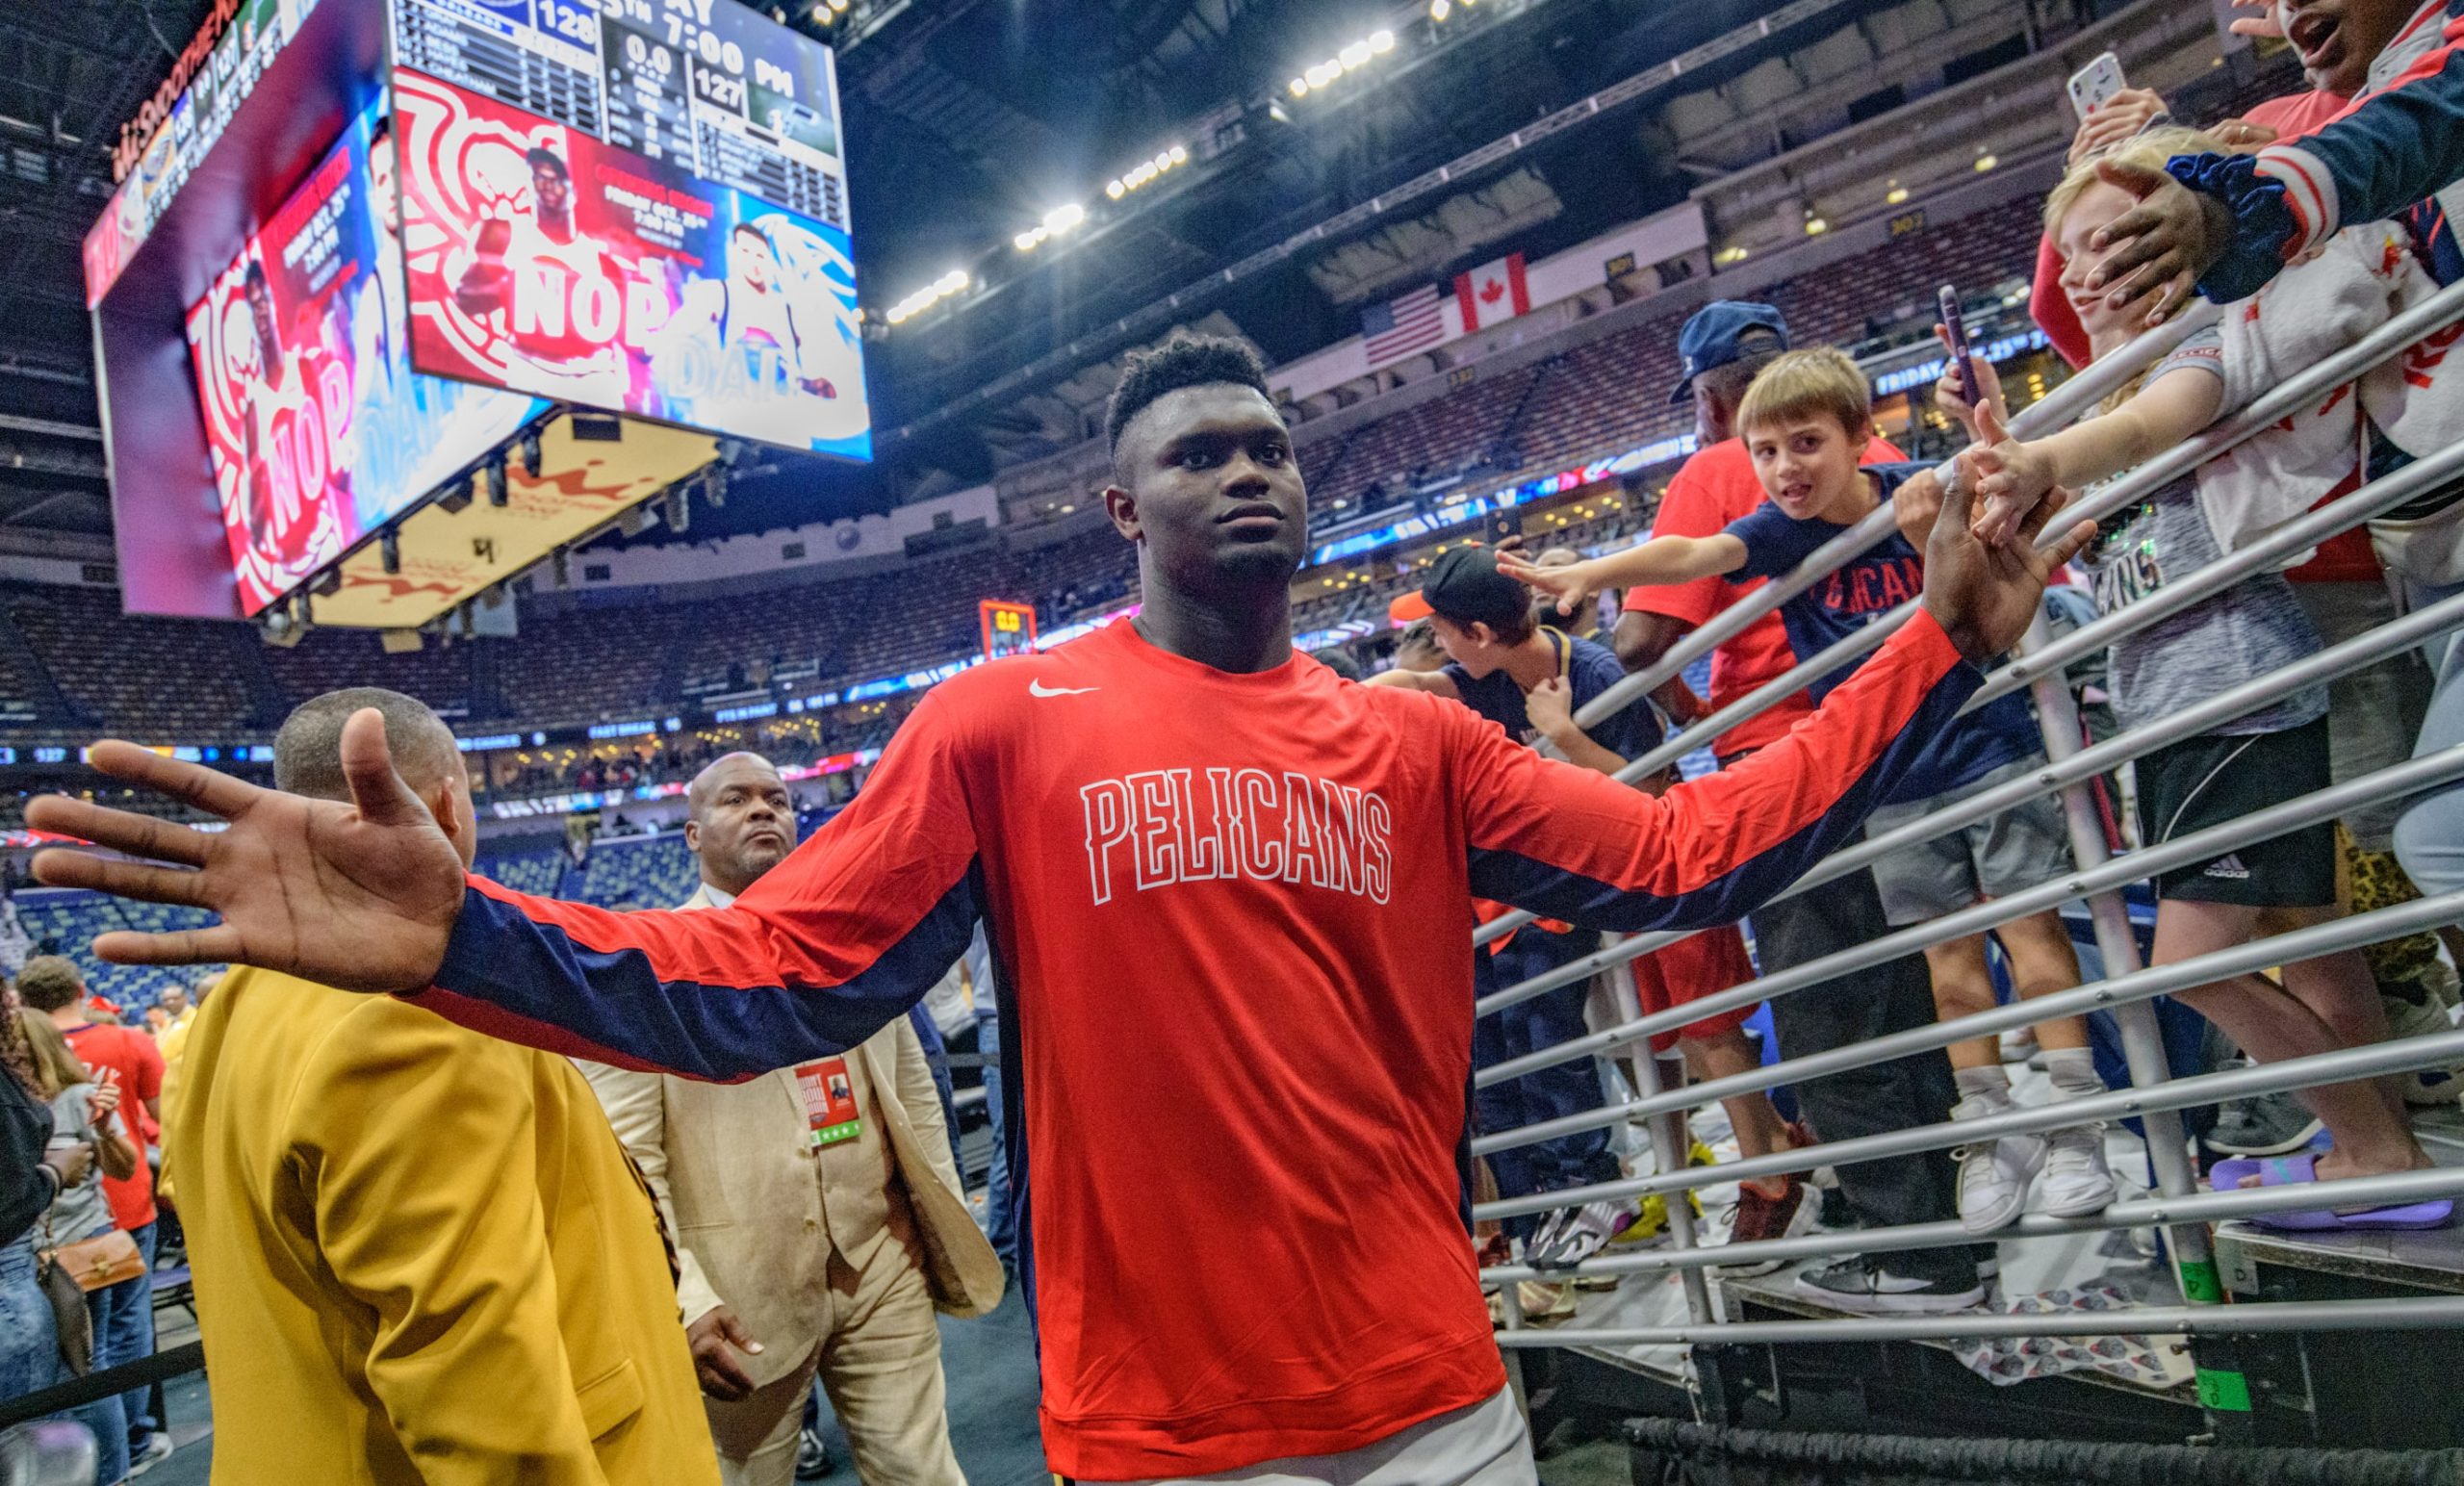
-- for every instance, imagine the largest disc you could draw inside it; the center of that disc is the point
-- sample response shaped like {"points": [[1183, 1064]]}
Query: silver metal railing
{"points": [[2127, 990]]}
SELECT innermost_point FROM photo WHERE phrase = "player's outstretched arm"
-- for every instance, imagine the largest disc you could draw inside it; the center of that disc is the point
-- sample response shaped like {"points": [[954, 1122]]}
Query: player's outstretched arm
{"points": [[1570, 844], [362, 895], [846, 933]]}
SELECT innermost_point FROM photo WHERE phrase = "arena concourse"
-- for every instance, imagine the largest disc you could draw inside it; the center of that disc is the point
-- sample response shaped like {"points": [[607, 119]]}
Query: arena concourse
{"points": [[772, 493]]}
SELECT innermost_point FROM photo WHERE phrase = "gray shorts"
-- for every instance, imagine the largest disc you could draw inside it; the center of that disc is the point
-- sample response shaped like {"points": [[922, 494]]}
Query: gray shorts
{"points": [[2024, 847], [2374, 714]]}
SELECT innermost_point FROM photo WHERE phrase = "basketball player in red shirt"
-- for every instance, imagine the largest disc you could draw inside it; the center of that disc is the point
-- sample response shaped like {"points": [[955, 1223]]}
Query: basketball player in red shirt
{"points": [[1224, 891]]}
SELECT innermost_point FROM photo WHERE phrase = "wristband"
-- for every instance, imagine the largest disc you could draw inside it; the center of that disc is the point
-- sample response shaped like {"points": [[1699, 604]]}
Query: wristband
{"points": [[2264, 229]]}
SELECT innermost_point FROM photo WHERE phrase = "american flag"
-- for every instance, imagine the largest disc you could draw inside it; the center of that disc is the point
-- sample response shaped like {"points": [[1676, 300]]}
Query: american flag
{"points": [[1401, 325]]}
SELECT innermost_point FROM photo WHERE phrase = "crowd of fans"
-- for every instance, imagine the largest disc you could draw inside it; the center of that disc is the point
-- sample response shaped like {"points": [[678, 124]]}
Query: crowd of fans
{"points": [[1526, 632]]}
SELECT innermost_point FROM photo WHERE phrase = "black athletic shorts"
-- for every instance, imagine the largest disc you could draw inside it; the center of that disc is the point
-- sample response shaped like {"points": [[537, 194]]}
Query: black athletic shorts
{"points": [[2215, 777]]}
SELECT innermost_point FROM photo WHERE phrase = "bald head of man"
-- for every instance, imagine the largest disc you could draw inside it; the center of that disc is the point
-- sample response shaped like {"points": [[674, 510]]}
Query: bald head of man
{"points": [[739, 821], [308, 755]]}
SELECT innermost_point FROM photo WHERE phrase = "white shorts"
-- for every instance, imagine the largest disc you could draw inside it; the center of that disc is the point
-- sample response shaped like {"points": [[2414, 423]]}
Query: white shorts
{"points": [[1483, 1445]]}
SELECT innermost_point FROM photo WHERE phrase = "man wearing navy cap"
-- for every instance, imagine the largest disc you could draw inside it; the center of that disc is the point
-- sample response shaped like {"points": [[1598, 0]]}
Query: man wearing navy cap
{"points": [[1722, 348]]}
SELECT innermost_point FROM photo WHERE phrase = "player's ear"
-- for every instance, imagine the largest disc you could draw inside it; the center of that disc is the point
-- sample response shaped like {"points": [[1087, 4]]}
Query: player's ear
{"points": [[1122, 508]]}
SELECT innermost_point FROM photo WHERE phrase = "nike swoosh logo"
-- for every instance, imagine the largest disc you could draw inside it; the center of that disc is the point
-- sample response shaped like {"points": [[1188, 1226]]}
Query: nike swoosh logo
{"points": [[1039, 689]]}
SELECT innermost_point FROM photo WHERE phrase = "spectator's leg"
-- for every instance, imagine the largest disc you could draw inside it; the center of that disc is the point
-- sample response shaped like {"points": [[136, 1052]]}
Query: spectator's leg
{"points": [[2270, 1024], [1001, 1225], [133, 1337], [1901, 1094], [1570, 1088], [1496, 1108], [1760, 1129]]}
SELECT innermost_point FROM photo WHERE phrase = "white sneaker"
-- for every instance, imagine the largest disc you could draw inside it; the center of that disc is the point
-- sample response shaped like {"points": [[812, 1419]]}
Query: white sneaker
{"points": [[2076, 1182], [2425, 1087], [1994, 1174]]}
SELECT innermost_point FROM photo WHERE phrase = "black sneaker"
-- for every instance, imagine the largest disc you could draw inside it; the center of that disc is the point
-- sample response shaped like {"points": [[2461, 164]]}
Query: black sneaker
{"points": [[2262, 1125], [1864, 1285], [812, 1456]]}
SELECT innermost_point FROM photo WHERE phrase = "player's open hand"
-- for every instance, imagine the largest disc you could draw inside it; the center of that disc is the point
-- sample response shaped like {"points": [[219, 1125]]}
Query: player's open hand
{"points": [[1984, 594], [1571, 586], [361, 895], [2154, 254]]}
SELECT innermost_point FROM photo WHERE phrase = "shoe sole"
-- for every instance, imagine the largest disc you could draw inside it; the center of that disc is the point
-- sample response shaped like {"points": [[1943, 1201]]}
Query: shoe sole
{"points": [[2285, 1147], [2083, 1207]]}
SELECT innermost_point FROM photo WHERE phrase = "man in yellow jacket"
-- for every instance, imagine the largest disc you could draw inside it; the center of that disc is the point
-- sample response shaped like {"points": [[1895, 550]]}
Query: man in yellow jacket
{"points": [[420, 1255]]}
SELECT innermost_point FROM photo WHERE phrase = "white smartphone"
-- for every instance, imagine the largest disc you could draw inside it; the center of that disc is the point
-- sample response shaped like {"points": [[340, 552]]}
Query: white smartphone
{"points": [[2096, 83]]}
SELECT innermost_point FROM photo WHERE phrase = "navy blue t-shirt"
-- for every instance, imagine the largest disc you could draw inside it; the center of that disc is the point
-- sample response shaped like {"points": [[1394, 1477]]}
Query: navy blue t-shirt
{"points": [[1592, 669], [1862, 591]]}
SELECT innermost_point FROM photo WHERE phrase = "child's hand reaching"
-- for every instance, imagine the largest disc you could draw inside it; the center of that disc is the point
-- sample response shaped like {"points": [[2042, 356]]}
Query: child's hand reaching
{"points": [[1952, 396], [2009, 478], [1571, 585]]}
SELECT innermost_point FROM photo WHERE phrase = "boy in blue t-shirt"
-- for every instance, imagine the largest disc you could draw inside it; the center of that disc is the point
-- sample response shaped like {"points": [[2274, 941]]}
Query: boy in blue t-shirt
{"points": [[1805, 420]]}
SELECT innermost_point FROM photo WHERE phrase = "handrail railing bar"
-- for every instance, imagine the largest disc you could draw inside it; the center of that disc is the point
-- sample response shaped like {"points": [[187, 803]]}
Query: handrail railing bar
{"points": [[2346, 1064], [2362, 649], [2348, 511], [2437, 1312], [2382, 344], [2052, 411], [2352, 932], [2154, 1211], [2414, 775]]}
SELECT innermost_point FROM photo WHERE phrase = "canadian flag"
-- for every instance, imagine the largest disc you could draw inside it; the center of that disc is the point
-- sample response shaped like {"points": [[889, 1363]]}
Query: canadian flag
{"points": [[1492, 292]]}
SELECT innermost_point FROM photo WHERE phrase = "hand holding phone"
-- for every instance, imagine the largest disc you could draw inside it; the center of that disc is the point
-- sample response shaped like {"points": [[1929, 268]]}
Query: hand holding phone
{"points": [[2095, 84], [1505, 523], [1955, 335]]}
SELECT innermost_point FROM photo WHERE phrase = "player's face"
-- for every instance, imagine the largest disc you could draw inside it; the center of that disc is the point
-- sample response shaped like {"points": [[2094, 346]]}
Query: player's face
{"points": [[380, 184], [261, 316], [551, 191], [756, 261], [1210, 487]]}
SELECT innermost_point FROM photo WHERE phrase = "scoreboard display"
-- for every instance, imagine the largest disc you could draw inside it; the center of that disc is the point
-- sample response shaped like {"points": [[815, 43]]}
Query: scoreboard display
{"points": [[1009, 627], [706, 86]]}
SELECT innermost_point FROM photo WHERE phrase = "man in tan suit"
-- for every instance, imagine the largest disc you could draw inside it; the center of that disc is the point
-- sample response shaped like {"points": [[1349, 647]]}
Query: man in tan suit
{"points": [[818, 1214]]}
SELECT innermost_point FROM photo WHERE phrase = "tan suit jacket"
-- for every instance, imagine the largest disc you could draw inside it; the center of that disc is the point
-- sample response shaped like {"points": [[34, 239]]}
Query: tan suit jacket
{"points": [[733, 1166], [419, 1257]]}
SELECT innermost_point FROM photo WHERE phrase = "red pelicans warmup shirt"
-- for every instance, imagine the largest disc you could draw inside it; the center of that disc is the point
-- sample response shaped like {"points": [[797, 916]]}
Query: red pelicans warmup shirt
{"points": [[1230, 916]]}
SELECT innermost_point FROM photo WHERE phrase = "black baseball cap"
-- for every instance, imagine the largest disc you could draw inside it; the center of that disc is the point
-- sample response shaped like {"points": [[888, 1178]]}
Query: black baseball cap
{"points": [[1465, 587], [1716, 335]]}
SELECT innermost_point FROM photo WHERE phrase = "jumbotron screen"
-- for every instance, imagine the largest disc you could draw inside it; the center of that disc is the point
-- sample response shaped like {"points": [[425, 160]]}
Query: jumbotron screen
{"points": [[317, 429], [638, 206]]}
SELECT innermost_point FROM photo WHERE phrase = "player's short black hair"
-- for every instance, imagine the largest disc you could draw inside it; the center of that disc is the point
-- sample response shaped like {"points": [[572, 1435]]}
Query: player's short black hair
{"points": [[539, 155], [255, 277], [1182, 361]]}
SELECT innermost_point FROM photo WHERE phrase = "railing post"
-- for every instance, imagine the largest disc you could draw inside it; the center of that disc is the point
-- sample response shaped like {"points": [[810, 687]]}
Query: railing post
{"points": [[1670, 1142], [2142, 1039]]}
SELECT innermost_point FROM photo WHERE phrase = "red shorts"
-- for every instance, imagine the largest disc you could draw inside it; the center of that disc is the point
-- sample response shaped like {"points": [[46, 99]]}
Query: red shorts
{"points": [[1688, 970]]}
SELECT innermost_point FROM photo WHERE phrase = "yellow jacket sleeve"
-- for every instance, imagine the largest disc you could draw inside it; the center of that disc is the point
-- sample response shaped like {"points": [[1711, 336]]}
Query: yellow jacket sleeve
{"points": [[421, 1158]]}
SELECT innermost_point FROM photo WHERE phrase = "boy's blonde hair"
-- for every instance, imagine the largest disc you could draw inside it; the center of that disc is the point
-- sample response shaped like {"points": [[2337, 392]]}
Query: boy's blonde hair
{"points": [[2147, 149], [1818, 382]]}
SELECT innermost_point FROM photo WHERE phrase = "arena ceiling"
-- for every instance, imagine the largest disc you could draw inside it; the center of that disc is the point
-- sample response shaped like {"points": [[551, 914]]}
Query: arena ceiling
{"points": [[968, 120]]}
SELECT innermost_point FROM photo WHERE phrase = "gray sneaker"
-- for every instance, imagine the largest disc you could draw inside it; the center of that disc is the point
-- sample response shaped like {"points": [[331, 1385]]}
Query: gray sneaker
{"points": [[2264, 1125]]}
